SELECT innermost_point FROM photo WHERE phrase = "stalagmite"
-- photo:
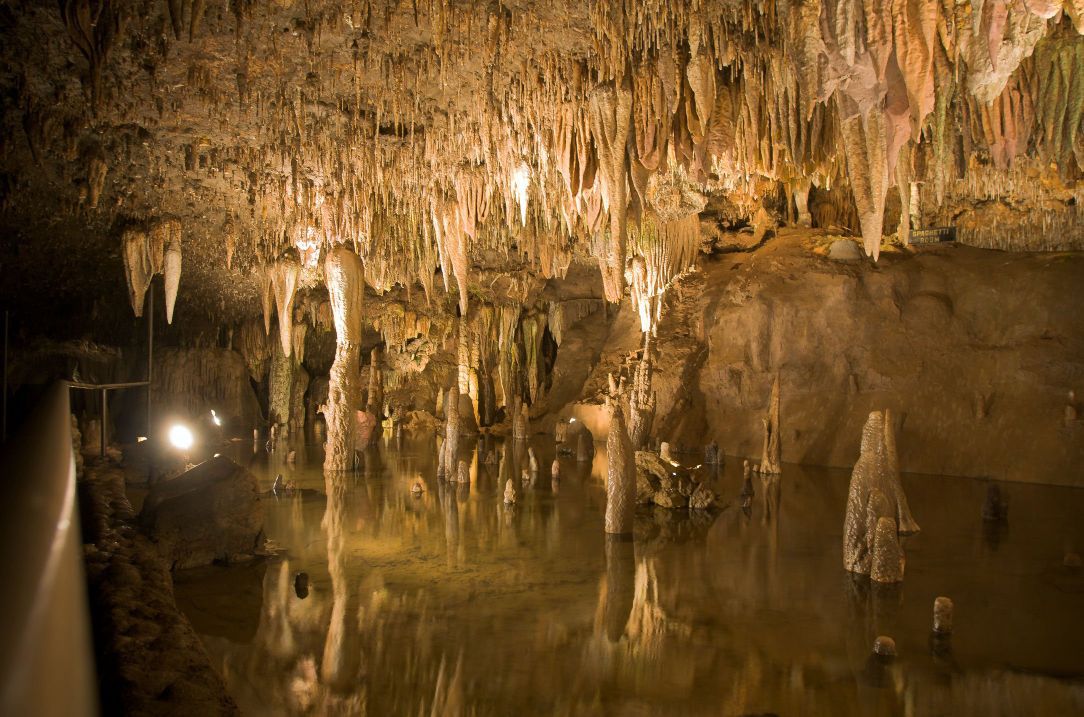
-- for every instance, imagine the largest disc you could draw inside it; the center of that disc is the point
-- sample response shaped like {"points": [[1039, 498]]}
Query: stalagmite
{"points": [[451, 430], [620, 474], [375, 402], [284, 273], [346, 290], [771, 459], [942, 615], [888, 561], [875, 492], [642, 399]]}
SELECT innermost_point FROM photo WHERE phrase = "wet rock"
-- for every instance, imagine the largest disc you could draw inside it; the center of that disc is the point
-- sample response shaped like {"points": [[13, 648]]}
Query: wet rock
{"points": [[211, 513], [659, 482], [463, 475], [712, 455], [509, 493], [555, 468]]}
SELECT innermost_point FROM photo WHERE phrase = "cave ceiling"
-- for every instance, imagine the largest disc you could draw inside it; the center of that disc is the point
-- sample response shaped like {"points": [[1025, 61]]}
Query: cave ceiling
{"points": [[472, 137]]}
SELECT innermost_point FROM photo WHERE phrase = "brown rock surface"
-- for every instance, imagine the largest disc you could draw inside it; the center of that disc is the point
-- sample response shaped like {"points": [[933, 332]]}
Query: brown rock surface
{"points": [[210, 513]]}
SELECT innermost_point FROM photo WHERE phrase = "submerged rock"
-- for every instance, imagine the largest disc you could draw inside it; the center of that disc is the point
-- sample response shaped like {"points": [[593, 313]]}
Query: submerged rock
{"points": [[661, 483], [211, 513]]}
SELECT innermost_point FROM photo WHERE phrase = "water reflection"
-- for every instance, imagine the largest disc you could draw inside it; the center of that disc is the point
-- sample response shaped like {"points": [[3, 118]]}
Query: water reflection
{"points": [[447, 601]]}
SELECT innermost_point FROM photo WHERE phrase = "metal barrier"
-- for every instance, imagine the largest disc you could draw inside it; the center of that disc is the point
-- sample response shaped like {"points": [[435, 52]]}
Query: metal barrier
{"points": [[46, 656]]}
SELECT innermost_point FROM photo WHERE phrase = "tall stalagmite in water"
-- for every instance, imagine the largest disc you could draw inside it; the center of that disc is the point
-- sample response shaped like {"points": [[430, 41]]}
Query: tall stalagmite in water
{"points": [[346, 289], [620, 474]]}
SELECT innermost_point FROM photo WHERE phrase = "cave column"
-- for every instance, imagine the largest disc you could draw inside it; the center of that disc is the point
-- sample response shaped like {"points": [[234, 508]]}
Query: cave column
{"points": [[345, 285]]}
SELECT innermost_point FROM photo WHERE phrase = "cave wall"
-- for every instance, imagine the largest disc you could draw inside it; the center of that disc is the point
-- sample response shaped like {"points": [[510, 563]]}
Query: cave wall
{"points": [[974, 351]]}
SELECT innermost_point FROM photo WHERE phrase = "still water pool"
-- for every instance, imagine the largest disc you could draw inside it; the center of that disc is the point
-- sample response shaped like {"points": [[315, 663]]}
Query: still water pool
{"points": [[453, 603]]}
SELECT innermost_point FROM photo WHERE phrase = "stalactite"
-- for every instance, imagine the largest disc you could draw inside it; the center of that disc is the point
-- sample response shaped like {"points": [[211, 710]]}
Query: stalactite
{"points": [[172, 265], [611, 115], [346, 290], [867, 164], [284, 273]]}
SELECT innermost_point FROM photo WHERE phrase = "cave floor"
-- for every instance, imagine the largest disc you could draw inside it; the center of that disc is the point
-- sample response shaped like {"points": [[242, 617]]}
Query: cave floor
{"points": [[453, 603]]}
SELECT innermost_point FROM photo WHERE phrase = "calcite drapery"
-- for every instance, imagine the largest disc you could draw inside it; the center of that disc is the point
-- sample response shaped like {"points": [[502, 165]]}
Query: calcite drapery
{"points": [[345, 278], [875, 493]]}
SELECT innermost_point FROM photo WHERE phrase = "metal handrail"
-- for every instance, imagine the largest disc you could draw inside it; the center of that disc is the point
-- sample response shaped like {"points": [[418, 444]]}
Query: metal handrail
{"points": [[46, 656]]}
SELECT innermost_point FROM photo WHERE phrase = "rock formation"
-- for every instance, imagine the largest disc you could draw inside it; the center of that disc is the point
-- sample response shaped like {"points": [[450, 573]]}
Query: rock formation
{"points": [[345, 284], [772, 457], [175, 515], [875, 493], [620, 475]]}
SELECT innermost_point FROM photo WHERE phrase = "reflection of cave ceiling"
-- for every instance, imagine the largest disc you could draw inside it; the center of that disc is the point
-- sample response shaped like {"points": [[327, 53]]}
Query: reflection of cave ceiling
{"points": [[430, 134]]}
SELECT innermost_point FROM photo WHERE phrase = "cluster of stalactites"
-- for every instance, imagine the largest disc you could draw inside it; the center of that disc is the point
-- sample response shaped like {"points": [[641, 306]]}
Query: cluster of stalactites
{"points": [[149, 251], [569, 152], [279, 283]]}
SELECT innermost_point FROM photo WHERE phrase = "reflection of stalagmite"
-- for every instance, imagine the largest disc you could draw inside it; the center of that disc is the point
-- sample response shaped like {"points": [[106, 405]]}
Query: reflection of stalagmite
{"points": [[771, 460], [620, 585], [339, 659], [345, 286], [621, 474], [875, 493]]}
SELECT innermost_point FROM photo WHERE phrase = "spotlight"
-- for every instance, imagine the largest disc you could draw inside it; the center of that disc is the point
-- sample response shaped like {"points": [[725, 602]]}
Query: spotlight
{"points": [[181, 437], [572, 420], [215, 418]]}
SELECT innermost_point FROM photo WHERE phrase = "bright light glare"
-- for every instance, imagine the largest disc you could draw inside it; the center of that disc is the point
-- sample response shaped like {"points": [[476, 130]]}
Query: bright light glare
{"points": [[572, 420], [140, 439], [215, 418], [181, 437]]}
